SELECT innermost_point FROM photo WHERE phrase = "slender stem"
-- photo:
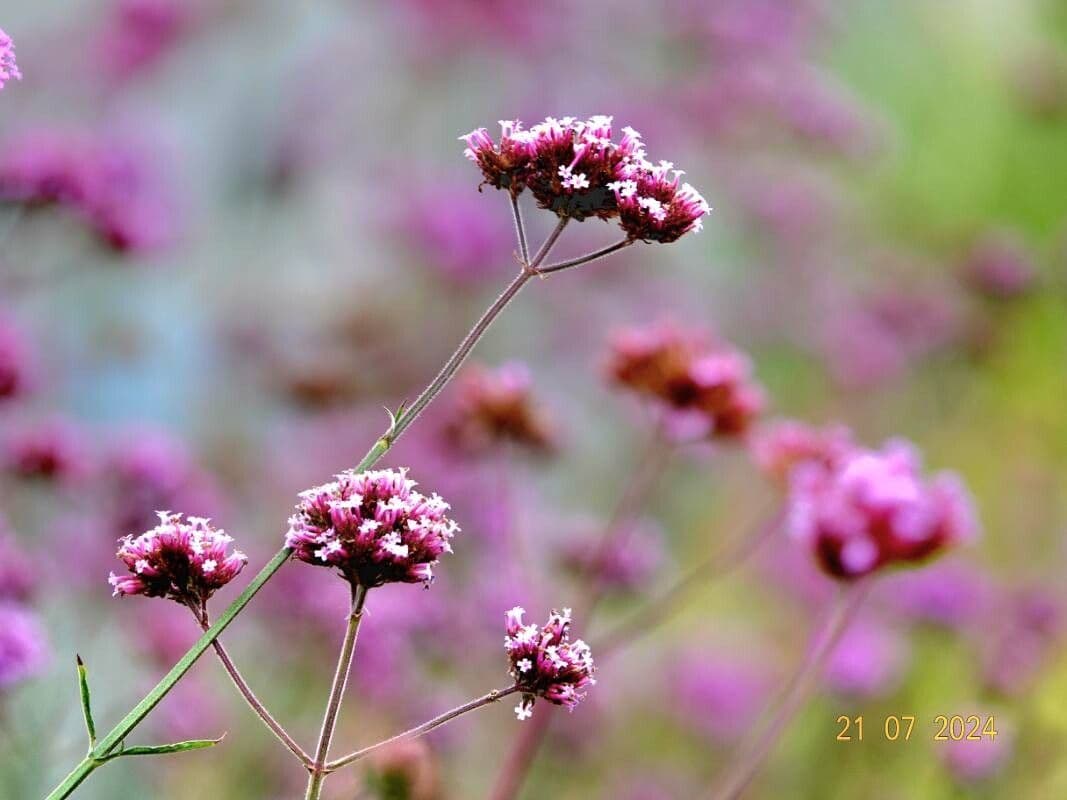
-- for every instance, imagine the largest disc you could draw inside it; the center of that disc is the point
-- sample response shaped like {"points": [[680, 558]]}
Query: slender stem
{"points": [[662, 608], [751, 758], [246, 691], [633, 498], [520, 231], [456, 360], [337, 692], [80, 772], [424, 728], [549, 243], [596, 255]]}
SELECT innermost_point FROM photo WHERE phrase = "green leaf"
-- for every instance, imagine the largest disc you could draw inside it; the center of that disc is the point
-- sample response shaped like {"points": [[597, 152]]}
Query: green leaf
{"points": [[163, 749], [87, 711]]}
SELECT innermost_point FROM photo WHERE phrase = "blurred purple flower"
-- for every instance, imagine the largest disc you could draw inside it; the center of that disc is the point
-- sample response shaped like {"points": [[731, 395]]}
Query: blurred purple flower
{"points": [[999, 267], [18, 576], [718, 695], [706, 388], [455, 235], [876, 339], [53, 450], [624, 568], [977, 760], [779, 447], [111, 182], [874, 508], [495, 407], [23, 647], [1016, 644], [869, 660], [138, 33], [950, 593], [15, 366], [9, 70]]}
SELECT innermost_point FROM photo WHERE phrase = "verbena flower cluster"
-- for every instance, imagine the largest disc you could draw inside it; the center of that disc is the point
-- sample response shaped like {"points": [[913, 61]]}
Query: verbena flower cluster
{"points": [[9, 70], [373, 527], [545, 663], [781, 446], [497, 406], [573, 168], [868, 509], [185, 560], [707, 388]]}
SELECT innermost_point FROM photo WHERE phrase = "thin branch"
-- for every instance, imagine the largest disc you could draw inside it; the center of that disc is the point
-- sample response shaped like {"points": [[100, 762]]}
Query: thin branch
{"points": [[593, 256], [337, 691], [752, 756], [520, 231], [254, 702], [549, 243], [424, 728]]}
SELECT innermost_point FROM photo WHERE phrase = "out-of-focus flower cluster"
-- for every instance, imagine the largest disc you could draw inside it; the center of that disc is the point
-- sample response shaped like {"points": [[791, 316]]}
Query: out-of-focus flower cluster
{"points": [[185, 560], [9, 70], [871, 508], [573, 168], [706, 388], [545, 663], [107, 181], [497, 406], [373, 527]]}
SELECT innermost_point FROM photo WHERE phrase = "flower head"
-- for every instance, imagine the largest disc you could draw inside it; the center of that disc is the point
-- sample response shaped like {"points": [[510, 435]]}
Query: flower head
{"points": [[545, 663], [183, 559], [781, 446], [9, 70], [873, 508], [707, 388], [498, 406], [373, 527], [50, 450], [574, 168], [23, 648]]}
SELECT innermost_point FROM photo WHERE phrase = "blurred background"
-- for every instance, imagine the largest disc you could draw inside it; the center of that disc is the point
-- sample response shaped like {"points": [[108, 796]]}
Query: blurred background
{"points": [[282, 236]]}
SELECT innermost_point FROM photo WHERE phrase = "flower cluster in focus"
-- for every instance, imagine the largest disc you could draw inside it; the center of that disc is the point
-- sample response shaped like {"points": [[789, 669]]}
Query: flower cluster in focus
{"points": [[545, 663], [706, 388], [185, 560], [496, 406], [373, 527], [871, 508], [573, 168], [9, 70]]}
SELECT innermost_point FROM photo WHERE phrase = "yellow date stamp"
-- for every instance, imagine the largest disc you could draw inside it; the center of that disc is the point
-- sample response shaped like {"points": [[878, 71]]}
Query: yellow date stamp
{"points": [[905, 727]]}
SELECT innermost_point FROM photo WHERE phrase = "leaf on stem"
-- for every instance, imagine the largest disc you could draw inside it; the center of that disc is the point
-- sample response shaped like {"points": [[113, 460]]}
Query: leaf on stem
{"points": [[163, 749], [87, 711]]}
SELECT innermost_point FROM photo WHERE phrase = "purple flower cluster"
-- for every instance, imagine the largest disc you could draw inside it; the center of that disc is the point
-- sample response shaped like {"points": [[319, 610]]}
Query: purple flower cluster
{"points": [[872, 508], [573, 167], [780, 446], [108, 182], [9, 70], [185, 560], [546, 663], [373, 527], [707, 388], [23, 651]]}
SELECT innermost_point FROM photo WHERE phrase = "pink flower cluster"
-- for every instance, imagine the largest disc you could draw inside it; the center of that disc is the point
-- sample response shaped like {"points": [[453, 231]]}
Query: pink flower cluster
{"points": [[707, 388], [780, 446], [574, 168], [108, 182], [185, 560], [497, 406], [868, 509], [9, 70], [373, 527], [546, 663]]}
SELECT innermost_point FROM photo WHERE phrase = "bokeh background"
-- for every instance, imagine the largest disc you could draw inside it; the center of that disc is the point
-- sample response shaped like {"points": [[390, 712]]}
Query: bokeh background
{"points": [[288, 238]]}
